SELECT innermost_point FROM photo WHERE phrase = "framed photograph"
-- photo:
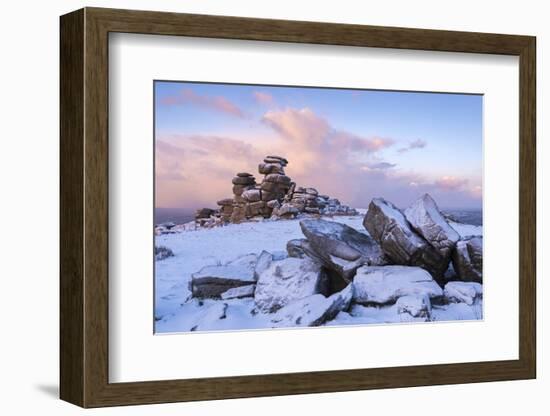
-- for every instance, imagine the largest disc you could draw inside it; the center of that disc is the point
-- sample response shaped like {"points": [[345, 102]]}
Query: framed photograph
{"points": [[255, 207]]}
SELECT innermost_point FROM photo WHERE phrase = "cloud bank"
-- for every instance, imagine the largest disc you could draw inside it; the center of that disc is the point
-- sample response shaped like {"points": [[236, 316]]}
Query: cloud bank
{"points": [[196, 171], [214, 103]]}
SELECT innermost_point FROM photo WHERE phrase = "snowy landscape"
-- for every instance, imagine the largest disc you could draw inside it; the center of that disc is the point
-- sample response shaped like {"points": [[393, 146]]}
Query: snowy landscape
{"points": [[375, 218], [313, 270]]}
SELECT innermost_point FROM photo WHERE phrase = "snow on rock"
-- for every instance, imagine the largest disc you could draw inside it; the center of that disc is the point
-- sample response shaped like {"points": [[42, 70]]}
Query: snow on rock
{"points": [[467, 292], [212, 281], [211, 314], [245, 260], [426, 219], [262, 263], [288, 280], [341, 248], [389, 227], [239, 292], [313, 310], [468, 259], [383, 284], [294, 248], [416, 306], [457, 312], [162, 253]]}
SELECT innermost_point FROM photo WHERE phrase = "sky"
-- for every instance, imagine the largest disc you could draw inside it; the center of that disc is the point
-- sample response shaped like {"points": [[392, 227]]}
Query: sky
{"points": [[350, 144]]}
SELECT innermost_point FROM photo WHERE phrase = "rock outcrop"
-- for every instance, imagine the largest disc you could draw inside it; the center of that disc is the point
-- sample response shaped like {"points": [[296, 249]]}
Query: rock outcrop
{"points": [[276, 196], [426, 219], [313, 310], [416, 306], [468, 259], [212, 281], [286, 281], [467, 292], [398, 240], [239, 292], [162, 253], [340, 248], [385, 284]]}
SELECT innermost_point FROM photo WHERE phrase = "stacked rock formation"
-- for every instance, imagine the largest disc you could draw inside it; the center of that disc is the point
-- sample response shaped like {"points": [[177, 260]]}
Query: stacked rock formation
{"points": [[277, 196]]}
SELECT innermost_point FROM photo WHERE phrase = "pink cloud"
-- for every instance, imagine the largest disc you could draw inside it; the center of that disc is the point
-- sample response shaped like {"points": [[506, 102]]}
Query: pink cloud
{"points": [[263, 98], [216, 103], [194, 171]]}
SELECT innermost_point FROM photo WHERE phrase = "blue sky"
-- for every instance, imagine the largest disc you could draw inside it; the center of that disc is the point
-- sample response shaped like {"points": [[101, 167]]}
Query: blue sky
{"points": [[380, 143]]}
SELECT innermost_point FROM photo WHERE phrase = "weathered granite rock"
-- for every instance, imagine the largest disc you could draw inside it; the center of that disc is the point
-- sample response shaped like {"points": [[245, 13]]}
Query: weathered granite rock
{"points": [[204, 213], [262, 263], [341, 248], [401, 244], [313, 310], [239, 292], [226, 202], [385, 284], [252, 195], [467, 292], [244, 175], [468, 259], [243, 180], [286, 211], [276, 159], [273, 204], [267, 168], [239, 189], [162, 253], [212, 281], [254, 208], [426, 219], [417, 306], [276, 178], [286, 281], [294, 248]]}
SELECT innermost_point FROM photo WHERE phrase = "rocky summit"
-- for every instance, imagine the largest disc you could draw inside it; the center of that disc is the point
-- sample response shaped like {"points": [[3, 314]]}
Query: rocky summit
{"points": [[276, 196], [399, 241]]}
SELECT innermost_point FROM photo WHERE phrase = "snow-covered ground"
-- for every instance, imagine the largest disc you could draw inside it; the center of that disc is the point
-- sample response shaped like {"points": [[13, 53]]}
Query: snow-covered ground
{"points": [[175, 311]]}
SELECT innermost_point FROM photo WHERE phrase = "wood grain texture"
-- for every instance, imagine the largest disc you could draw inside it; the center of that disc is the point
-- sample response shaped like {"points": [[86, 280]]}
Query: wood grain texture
{"points": [[71, 100], [84, 207]]}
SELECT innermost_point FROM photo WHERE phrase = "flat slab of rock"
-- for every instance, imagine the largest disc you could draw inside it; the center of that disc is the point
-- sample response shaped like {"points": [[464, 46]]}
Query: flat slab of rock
{"points": [[426, 219], [468, 259], [385, 284], [239, 292], [246, 180], [389, 227], [340, 247], [286, 281], [212, 281], [313, 310], [467, 292]]}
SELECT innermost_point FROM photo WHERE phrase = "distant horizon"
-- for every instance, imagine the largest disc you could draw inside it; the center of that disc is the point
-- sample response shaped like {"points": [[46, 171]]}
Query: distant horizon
{"points": [[214, 206], [351, 144]]}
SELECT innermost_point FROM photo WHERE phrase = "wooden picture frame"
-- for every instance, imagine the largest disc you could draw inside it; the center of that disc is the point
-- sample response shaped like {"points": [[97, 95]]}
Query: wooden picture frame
{"points": [[84, 207]]}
